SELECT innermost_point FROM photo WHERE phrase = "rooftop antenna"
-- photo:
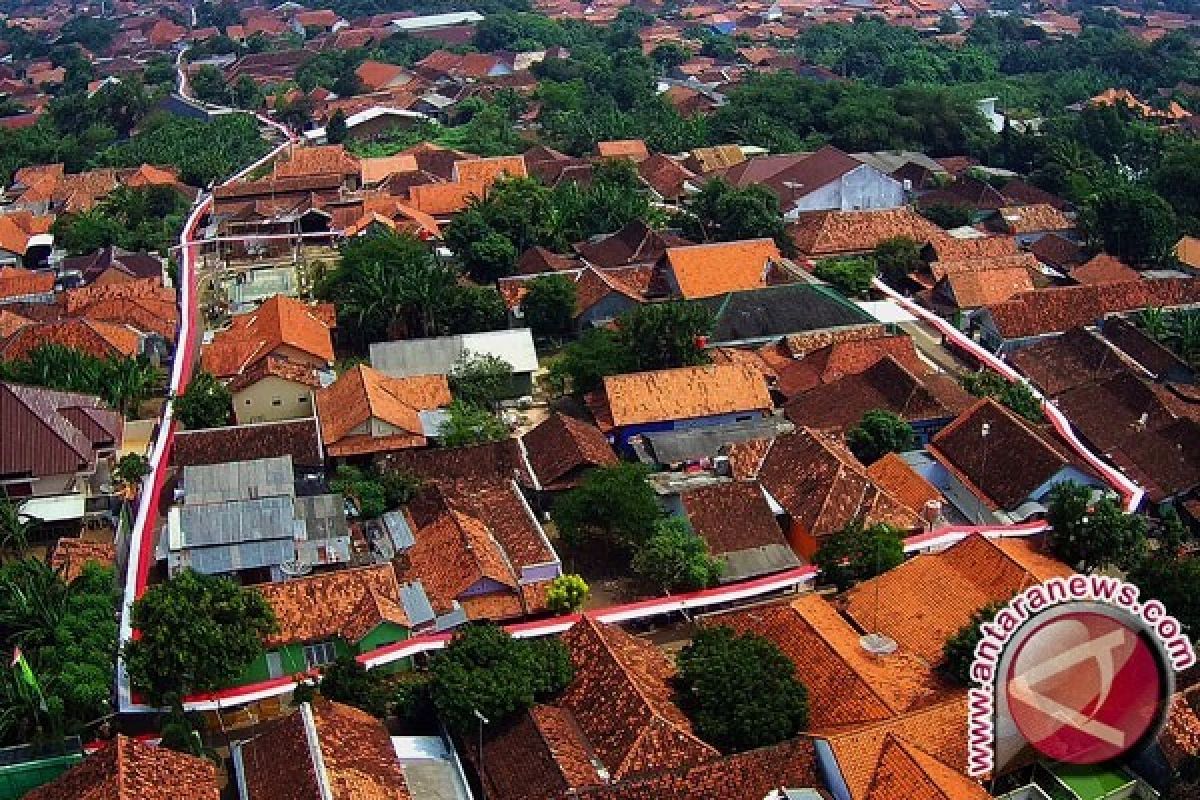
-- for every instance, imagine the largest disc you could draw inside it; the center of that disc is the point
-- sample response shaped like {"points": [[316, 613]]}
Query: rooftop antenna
{"points": [[877, 643]]}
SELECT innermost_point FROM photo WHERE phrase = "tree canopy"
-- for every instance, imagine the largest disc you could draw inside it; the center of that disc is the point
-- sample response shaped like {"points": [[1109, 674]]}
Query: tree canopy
{"points": [[205, 403], [740, 692], [198, 633], [674, 558], [858, 552], [566, 594], [958, 653], [549, 305], [485, 670], [1093, 535], [613, 505], [1016, 395], [878, 433]]}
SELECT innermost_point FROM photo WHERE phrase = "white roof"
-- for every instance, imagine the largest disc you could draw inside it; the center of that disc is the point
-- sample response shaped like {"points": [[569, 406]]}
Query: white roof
{"points": [[437, 355], [886, 311], [437, 20], [54, 509]]}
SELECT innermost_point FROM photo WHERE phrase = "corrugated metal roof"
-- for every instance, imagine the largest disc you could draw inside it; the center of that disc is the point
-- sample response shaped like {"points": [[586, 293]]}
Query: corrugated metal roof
{"points": [[436, 356], [397, 527], [416, 603], [673, 447], [235, 523], [239, 480], [756, 561], [324, 516]]}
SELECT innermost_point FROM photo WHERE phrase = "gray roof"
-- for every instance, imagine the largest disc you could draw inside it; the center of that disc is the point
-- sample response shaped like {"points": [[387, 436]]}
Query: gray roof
{"points": [[226, 537], [239, 480], [760, 315], [398, 529], [888, 161], [755, 561], [416, 603], [324, 516], [436, 356], [673, 447]]}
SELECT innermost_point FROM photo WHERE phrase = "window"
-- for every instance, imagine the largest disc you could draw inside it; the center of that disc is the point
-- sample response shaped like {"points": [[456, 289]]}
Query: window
{"points": [[319, 654], [304, 399], [247, 401], [275, 401]]}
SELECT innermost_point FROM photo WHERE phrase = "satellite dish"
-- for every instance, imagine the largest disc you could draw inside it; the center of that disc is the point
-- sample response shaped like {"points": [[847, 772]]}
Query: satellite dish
{"points": [[295, 568], [877, 644]]}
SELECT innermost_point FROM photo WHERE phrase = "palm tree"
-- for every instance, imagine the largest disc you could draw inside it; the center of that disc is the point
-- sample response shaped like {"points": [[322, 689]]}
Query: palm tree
{"points": [[127, 382], [1187, 334], [15, 527], [1154, 322]]}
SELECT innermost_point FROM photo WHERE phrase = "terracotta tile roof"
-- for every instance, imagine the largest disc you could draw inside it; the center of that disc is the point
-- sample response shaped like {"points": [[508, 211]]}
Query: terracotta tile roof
{"points": [[950, 248], [1052, 310], [144, 304], [1056, 251], [636, 243], [791, 177], [373, 170], [486, 171], [975, 289], [126, 769], [905, 772], [887, 385], [99, 339], [540, 755], [273, 367], [829, 233], [20, 282], [1104, 268], [893, 474], [477, 464], [969, 575], [453, 554], [706, 270], [11, 322], [440, 199], [828, 363], [709, 159], [732, 517], [984, 265], [363, 394], [1060, 363], [537, 260], [279, 325], [1133, 343], [376, 75], [348, 604], [303, 162], [1181, 735], [846, 684], [623, 148], [1033, 219], [561, 448], [296, 438], [1131, 421], [70, 556], [823, 486], [356, 752], [1187, 250], [684, 393], [1007, 467], [1019, 192], [621, 698], [665, 175]]}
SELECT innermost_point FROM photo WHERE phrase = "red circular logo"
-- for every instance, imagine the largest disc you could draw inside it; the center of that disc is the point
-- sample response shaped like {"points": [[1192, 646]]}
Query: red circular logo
{"points": [[1085, 686]]}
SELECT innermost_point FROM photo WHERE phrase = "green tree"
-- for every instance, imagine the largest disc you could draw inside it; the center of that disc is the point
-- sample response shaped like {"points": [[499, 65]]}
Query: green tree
{"points": [[720, 212], [858, 552], [364, 488], [878, 433], [549, 305], [387, 280], [466, 425], [198, 633], [485, 670], [897, 257], [674, 558], [1173, 580], [566, 594], [15, 527], [208, 84], [740, 692], [666, 335], [850, 276], [481, 379], [1093, 535], [945, 215], [131, 469], [205, 403], [1015, 394], [492, 232], [347, 681], [669, 55], [1131, 222], [585, 363], [611, 506], [947, 23], [958, 653], [335, 128]]}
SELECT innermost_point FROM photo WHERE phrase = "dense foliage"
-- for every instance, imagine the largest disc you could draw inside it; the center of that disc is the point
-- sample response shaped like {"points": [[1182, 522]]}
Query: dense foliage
{"points": [[613, 506], [146, 218], [858, 552], [481, 379], [549, 305], [1093, 535], [466, 424], [1015, 394], [878, 433], [205, 403], [203, 152], [566, 594], [740, 691], [486, 671], [675, 559], [122, 382], [198, 633], [68, 635], [958, 653]]}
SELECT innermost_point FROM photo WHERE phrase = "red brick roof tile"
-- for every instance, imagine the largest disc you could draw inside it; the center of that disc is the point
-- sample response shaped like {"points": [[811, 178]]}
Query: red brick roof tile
{"points": [[683, 393], [126, 769], [561, 448]]}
